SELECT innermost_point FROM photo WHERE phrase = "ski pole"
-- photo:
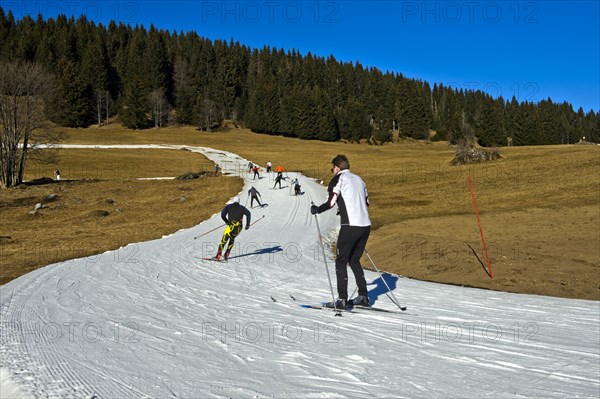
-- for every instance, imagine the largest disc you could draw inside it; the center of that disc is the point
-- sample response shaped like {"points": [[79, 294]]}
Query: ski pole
{"points": [[338, 313], [218, 227], [353, 292], [257, 220], [403, 308]]}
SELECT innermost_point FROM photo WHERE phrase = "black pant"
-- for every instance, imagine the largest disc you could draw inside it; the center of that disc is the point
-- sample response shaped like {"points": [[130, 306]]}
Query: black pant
{"points": [[252, 201], [350, 247]]}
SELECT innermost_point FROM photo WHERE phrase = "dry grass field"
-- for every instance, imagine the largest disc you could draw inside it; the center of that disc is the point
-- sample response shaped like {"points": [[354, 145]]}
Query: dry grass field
{"points": [[539, 206]]}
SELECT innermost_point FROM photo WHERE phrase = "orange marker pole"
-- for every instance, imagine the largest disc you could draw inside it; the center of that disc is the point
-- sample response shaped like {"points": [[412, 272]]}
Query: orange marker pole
{"points": [[487, 258]]}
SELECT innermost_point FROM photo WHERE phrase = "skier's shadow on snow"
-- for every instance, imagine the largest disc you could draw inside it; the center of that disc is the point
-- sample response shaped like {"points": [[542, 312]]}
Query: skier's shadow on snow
{"points": [[381, 288], [261, 251]]}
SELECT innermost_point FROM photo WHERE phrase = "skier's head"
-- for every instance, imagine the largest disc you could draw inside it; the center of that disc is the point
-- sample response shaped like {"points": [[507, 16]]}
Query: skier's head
{"points": [[341, 161]]}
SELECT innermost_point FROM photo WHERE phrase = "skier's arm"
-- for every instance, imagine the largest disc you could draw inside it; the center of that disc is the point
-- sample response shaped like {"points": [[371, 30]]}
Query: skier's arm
{"points": [[248, 217], [334, 192], [224, 214], [327, 205]]}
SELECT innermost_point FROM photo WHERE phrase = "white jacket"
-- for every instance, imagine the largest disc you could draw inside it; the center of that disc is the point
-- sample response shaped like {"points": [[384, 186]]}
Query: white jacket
{"points": [[349, 191]]}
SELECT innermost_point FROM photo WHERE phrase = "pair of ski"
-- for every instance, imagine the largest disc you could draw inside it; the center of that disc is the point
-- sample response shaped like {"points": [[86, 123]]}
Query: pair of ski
{"points": [[214, 259], [350, 309]]}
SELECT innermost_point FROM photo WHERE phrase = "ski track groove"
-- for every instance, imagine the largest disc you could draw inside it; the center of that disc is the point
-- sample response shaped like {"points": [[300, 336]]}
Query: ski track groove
{"points": [[47, 367], [293, 214]]}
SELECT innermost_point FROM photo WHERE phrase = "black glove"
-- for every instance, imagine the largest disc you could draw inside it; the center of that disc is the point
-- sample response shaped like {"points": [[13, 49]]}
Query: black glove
{"points": [[313, 209]]}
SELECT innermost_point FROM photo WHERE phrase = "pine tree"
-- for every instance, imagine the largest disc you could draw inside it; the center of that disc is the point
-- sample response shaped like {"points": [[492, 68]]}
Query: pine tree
{"points": [[413, 109], [550, 120], [513, 122], [326, 125], [489, 122], [532, 126], [579, 125], [135, 107], [70, 106], [95, 69], [353, 121], [184, 92], [8, 33], [592, 129], [135, 112], [155, 61]]}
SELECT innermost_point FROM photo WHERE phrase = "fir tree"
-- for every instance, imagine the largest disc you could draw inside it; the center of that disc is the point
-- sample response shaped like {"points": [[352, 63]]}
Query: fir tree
{"points": [[135, 112], [70, 106]]}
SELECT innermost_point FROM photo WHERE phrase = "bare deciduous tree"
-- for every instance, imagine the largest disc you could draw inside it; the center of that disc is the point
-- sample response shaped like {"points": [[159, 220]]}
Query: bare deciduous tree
{"points": [[22, 89], [159, 104], [103, 104]]}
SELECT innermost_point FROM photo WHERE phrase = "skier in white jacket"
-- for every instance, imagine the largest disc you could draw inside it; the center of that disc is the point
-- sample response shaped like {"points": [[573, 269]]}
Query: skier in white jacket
{"points": [[349, 192]]}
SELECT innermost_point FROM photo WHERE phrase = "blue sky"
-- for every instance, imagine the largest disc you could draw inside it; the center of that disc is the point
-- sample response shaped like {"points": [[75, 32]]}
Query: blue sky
{"points": [[528, 49]]}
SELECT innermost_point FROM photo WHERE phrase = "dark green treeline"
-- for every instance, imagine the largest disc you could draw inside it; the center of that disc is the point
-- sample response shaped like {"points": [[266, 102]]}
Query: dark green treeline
{"points": [[150, 78]]}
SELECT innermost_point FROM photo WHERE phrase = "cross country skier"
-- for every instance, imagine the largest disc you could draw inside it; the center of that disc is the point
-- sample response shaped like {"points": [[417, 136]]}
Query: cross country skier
{"points": [[255, 170], [269, 166], [254, 194], [296, 184], [349, 191], [279, 169], [278, 180], [232, 215]]}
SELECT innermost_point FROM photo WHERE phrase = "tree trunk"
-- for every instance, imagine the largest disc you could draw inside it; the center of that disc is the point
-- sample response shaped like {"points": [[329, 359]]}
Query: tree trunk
{"points": [[23, 87], [99, 108], [107, 96], [21, 173]]}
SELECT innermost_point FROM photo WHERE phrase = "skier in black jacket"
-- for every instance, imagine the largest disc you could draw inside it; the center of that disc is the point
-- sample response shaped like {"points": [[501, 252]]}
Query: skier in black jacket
{"points": [[278, 180], [232, 215], [254, 194], [349, 191]]}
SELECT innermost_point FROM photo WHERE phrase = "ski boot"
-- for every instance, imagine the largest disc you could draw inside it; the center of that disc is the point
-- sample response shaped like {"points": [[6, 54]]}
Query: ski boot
{"points": [[360, 300]]}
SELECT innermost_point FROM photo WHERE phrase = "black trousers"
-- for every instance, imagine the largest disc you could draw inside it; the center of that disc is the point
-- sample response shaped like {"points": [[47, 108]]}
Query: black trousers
{"points": [[350, 247], [254, 197]]}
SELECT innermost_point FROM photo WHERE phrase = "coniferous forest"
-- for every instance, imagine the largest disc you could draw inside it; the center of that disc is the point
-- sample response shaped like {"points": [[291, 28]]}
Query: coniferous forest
{"points": [[152, 78]]}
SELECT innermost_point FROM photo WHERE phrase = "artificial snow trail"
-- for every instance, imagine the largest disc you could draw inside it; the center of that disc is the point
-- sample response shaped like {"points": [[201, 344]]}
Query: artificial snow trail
{"points": [[152, 319]]}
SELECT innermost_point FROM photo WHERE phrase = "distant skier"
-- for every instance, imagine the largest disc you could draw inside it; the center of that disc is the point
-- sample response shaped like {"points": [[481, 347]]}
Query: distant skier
{"points": [[279, 169], [349, 191], [250, 165], [296, 184], [216, 168], [256, 174], [254, 194], [278, 180], [232, 215], [269, 166]]}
